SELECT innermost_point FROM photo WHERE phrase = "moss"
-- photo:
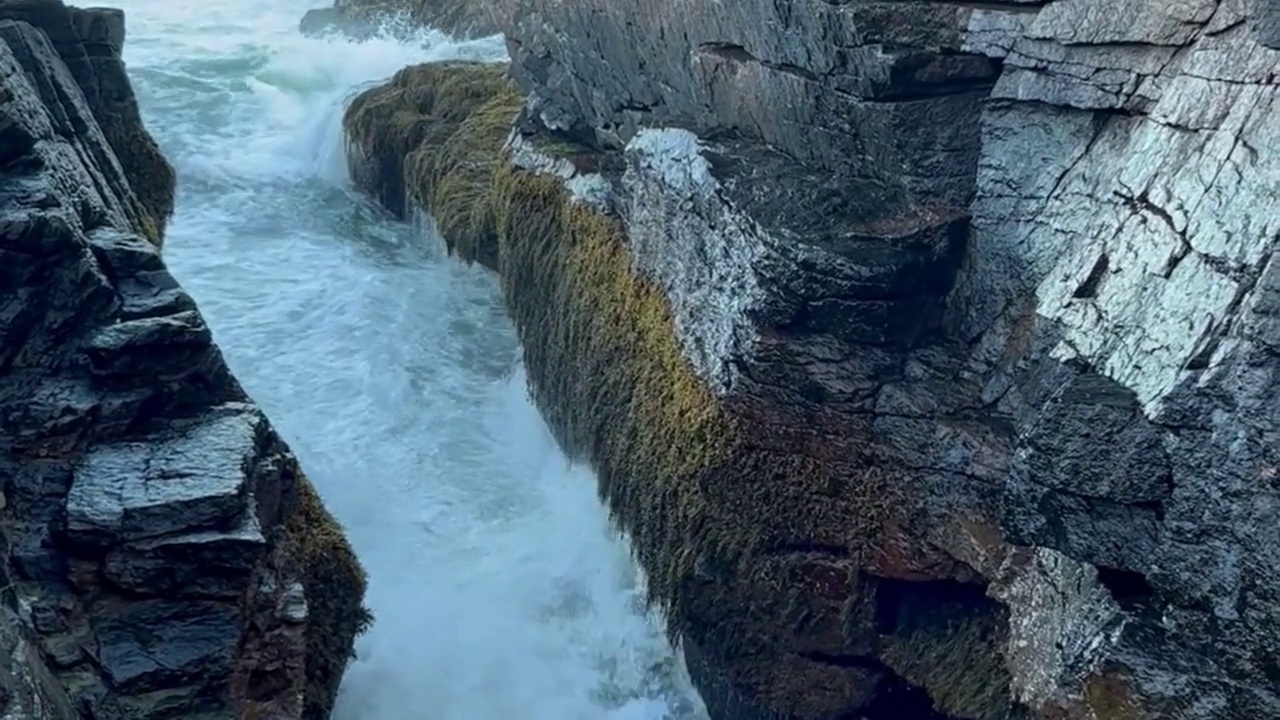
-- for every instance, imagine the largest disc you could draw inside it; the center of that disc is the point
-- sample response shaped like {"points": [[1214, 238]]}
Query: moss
{"points": [[432, 137], [958, 662], [1109, 698], [455, 179], [608, 373], [150, 175], [335, 585]]}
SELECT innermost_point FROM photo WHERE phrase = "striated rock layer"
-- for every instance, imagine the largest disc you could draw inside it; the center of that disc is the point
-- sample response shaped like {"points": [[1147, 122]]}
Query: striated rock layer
{"points": [[927, 350], [165, 556]]}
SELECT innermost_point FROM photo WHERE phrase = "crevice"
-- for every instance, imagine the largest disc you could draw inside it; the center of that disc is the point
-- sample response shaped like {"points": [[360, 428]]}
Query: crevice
{"points": [[1089, 288], [805, 548], [733, 52], [1129, 589]]}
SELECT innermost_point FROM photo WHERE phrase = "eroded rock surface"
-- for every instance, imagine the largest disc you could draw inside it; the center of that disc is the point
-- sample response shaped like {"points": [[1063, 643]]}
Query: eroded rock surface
{"points": [[926, 350], [166, 558]]}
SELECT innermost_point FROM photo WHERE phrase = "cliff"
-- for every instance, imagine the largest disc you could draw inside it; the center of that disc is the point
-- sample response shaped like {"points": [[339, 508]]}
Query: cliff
{"points": [[926, 350], [165, 557]]}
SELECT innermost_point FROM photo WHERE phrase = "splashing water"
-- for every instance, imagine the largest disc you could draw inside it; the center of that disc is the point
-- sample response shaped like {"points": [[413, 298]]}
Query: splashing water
{"points": [[500, 589]]}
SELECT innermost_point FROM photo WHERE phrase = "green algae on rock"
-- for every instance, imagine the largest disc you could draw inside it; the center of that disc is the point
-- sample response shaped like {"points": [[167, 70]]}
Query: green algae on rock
{"points": [[430, 138]]}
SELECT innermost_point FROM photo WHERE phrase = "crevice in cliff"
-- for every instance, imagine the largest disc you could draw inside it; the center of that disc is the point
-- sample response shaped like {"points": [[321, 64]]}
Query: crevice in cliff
{"points": [[1088, 289], [901, 89], [944, 636], [1130, 589], [733, 52]]}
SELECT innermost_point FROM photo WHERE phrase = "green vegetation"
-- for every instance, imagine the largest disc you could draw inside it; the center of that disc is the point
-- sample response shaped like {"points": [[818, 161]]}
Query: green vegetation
{"points": [[431, 138]]}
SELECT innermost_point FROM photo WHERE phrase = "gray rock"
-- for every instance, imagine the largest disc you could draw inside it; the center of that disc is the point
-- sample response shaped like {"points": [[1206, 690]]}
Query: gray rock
{"points": [[28, 689], [160, 644], [211, 563], [195, 480], [1022, 256]]}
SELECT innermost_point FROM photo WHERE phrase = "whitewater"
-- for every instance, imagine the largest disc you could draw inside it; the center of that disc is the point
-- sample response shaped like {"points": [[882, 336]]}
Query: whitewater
{"points": [[499, 588]]}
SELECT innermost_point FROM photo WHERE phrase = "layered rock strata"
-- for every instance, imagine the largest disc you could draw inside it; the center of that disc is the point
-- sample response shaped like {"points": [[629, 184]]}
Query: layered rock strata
{"points": [[165, 557], [926, 350]]}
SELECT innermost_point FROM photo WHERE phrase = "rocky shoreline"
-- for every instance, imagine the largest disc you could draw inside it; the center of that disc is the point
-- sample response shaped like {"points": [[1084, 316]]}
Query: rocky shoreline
{"points": [[165, 555], [927, 351]]}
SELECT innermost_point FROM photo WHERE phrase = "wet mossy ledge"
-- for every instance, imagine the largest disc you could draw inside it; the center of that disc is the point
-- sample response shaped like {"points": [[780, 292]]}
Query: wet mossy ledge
{"points": [[752, 517], [430, 139]]}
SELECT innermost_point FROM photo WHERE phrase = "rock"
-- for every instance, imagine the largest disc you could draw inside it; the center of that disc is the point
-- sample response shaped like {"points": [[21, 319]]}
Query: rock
{"points": [[906, 336], [194, 481], [89, 43], [160, 644], [28, 689], [168, 559], [430, 138], [208, 563], [362, 19]]}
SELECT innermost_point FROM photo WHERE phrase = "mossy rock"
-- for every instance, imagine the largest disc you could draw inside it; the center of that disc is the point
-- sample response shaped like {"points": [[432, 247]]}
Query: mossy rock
{"points": [[956, 657], [335, 584], [722, 496], [713, 491], [431, 138], [149, 173]]}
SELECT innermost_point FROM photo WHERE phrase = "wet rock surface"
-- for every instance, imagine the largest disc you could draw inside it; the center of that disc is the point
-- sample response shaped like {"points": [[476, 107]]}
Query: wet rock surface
{"points": [[1018, 258], [161, 541], [959, 318]]}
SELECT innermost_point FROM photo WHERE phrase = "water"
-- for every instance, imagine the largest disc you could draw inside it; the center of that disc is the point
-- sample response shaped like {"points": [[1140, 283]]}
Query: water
{"points": [[499, 588]]}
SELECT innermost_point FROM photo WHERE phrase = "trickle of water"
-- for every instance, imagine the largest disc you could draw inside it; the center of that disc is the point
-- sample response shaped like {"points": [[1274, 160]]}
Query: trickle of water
{"points": [[500, 589]]}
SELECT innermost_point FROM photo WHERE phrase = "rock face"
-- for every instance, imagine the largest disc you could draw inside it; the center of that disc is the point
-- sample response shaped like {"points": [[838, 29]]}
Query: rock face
{"points": [[926, 350], [165, 556], [89, 43]]}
